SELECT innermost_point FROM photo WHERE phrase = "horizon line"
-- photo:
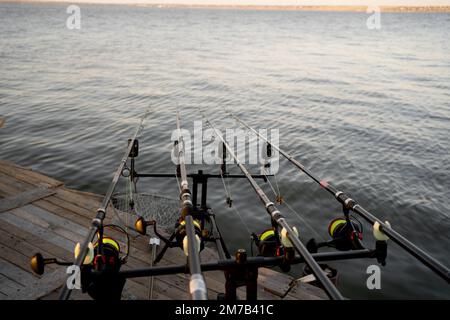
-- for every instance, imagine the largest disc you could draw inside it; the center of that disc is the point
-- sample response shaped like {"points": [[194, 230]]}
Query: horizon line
{"points": [[336, 7]]}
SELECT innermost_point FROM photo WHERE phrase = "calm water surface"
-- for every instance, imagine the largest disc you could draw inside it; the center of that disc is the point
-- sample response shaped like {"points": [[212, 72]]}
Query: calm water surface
{"points": [[368, 110]]}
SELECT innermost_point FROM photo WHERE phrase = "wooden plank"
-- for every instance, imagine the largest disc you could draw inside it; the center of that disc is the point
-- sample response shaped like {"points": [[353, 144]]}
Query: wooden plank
{"points": [[14, 185], [24, 198], [75, 295], [8, 287], [76, 235], [15, 273], [137, 291], [53, 220], [20, 237], [72, 207], [81, 221], [15, 243], [274, 282], [27, 175], [15, 257], [39, 288], [38, 231], [7, 190], [79, 199], [30, 217], [305, 291]]}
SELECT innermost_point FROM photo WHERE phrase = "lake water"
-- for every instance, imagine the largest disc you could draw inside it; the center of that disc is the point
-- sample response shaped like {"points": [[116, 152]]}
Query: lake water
{"points": [[368, 110]]}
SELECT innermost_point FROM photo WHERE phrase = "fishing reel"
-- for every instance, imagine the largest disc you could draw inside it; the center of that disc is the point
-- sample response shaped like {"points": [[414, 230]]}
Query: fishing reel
{"points": [[271, 243], [109, 257], [99, 272], [346, 234], [268, 243]]}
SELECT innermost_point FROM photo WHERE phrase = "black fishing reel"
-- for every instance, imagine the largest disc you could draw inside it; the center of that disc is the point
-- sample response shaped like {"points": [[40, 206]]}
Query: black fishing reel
{"points": [[267, 243], [100, 278], [271, 243], [99, 272], [346, 234]]}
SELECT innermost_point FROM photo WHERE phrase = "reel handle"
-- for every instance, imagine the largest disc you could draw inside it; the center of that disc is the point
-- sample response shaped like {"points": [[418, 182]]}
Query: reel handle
{"points": [[141, 225], [38, 262]]}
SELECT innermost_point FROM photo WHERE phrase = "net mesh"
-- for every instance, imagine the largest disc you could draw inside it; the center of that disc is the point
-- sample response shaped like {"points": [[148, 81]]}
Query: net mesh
{"points": [[162, 209]]}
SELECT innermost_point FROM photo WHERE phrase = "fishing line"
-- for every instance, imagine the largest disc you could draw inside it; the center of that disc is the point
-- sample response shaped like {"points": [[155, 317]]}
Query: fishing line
{"points": [[276, 183], [304, 221], [241, 218], [270, 184], [229, 194], [284, 202], [277, 194]]}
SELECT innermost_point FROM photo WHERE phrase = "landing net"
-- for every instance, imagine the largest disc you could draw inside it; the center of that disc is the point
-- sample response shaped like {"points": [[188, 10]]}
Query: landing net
{"points": [[162, 209]]}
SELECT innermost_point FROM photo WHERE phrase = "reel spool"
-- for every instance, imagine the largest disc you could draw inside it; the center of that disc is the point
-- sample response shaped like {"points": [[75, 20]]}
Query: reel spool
{"points": [[267, 243], [111, 253], [346, 234]]}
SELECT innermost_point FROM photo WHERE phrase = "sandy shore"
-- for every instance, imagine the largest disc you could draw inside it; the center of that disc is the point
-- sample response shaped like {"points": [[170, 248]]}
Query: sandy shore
{"points": [[413, 9], [316, 8]]}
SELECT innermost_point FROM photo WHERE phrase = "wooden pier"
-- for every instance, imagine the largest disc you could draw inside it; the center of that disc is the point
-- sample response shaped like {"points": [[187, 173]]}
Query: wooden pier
{"points": [[39, 214]]}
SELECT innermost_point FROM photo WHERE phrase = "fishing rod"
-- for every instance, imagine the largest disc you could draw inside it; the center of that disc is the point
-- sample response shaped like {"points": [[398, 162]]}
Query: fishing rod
{"points": [[97, 222], [350, 204], [197, 286], [277, 217]]}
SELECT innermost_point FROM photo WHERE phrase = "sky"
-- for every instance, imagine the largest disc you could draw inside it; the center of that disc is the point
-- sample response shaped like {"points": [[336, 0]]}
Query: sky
{"points": [[312, 2], [286, 2]]}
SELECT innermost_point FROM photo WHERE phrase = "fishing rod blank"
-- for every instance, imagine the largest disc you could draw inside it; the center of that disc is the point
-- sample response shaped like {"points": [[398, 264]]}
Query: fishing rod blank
{"points": [[350, 204], [276, 216], [197, 286], [97, 222]]}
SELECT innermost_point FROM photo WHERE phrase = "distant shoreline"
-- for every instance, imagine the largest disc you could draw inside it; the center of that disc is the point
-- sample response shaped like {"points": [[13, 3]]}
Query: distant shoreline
{"points": [[394, 9]]}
